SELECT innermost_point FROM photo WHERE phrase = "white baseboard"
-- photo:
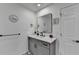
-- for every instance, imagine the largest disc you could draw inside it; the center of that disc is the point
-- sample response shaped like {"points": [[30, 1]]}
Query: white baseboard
{"points": [[22, 53]]}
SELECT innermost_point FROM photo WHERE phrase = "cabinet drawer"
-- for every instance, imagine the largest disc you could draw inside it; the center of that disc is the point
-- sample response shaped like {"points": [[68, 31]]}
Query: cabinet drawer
{"points": [[44, 44], [33, 46]]}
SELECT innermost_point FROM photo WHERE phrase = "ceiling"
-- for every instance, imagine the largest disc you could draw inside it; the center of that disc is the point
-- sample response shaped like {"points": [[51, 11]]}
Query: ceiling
{"points": [[34, 7]]}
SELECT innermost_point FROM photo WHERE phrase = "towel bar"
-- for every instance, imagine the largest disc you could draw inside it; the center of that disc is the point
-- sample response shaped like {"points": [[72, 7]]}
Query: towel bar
{"points": [[10, 35]]}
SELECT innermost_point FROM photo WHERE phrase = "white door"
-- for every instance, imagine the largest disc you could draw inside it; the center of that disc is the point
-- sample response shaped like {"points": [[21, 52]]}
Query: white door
{"points": [[70, 30]]}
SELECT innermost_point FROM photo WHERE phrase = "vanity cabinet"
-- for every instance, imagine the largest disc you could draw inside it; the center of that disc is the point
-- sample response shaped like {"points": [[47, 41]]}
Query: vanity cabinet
{"points": [[38, 47]]}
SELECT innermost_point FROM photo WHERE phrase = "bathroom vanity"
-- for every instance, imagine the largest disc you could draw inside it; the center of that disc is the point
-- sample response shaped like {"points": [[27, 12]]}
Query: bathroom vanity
{"points": [[39, 45]]}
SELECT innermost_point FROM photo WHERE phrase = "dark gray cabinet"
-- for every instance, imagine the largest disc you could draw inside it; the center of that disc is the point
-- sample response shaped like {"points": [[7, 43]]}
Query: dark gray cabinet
{"points": [[38, 47]]}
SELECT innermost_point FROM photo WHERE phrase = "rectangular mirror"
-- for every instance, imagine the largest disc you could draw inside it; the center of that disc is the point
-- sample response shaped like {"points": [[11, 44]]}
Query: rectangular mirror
{"points": [[45, 23]]}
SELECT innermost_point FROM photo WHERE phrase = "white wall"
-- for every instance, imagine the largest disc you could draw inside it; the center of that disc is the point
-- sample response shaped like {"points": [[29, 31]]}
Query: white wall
{"points": [[15, 45], [55, 10]]}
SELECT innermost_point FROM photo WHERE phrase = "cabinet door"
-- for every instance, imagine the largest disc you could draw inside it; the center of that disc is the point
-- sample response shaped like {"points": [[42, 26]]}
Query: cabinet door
{"points": [[33, 46]]}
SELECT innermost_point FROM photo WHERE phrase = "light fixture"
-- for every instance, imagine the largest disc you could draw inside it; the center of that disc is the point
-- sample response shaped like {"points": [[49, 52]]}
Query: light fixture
{"points": [[38, 5]]}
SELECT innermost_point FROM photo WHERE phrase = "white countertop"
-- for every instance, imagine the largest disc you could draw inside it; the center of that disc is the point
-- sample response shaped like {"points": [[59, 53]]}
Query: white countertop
{"points": [[46, 39]]}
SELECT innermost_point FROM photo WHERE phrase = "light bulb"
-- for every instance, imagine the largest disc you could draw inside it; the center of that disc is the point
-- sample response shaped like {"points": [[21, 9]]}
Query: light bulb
{"points": [[38, 5]]}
